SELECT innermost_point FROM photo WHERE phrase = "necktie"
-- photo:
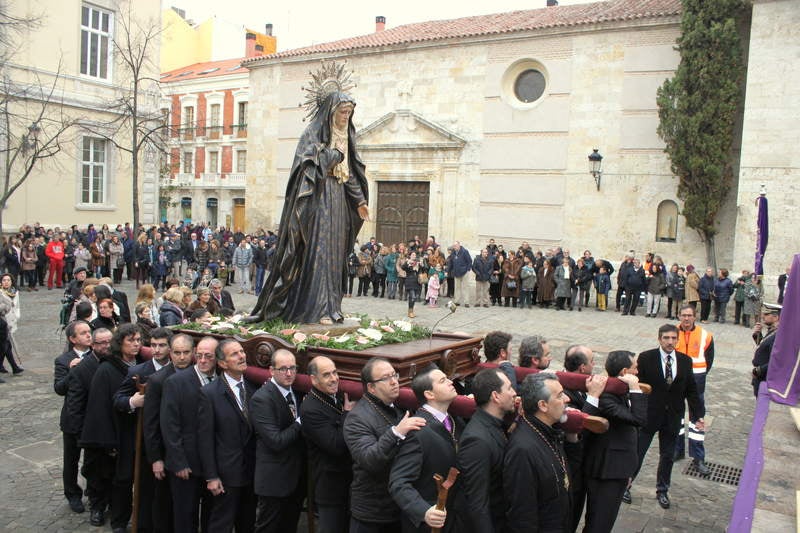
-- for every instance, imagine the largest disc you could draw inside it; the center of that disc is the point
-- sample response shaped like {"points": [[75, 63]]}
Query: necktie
{"points": [[242, 399], [668, 371], [290, 401], [448, 424]]}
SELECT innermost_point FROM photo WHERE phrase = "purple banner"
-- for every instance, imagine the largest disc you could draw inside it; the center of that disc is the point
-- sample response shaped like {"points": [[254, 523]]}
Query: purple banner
{"points": [[783, 375], [762, 233]]}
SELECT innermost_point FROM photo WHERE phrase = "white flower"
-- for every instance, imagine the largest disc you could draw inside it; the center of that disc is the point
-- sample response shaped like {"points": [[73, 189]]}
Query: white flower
{"points": [[259, 332], [342, 339], [373, 334], [403, 325], [235, 318], [222, 325]]}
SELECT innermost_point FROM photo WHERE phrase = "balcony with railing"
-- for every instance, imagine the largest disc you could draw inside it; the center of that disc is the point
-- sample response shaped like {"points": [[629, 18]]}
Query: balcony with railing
{"points": [[206, 181], [239, 130]]}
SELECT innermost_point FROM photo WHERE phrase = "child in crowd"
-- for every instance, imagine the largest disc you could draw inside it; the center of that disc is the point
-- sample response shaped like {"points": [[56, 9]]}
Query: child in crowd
{"points": [[206, 278], [434, 284], [190, 278], [603, 287]]}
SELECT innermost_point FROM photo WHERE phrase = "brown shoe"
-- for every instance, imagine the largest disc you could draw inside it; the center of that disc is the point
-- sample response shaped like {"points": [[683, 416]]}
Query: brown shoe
{"points": [[411, 314]]}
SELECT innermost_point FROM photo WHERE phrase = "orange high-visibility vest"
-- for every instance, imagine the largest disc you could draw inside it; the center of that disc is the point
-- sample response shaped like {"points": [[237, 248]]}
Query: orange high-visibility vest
{"points": [[694, 343]]}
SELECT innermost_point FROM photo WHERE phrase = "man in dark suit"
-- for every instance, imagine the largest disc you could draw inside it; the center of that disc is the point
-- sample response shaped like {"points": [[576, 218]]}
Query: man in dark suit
{"points": [[670, 375], [280, 481], [76, 399], [227, 442], [220, 295], [323, 413], [79, 336], [178, 421], [495, 348], [481, 451], [128, 401], [535, 476], [610, 458], [181, 349], [764, 335], [429, 451], [373, 432]]}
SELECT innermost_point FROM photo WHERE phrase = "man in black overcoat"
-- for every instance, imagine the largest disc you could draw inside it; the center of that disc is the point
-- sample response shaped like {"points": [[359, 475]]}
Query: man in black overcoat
{"points": [[227, 442], [610, 458], [280, 480], [429, 451], [79, 337], [535, 474], [481, 451], [178, 421], [323, 413], [669, 373]]}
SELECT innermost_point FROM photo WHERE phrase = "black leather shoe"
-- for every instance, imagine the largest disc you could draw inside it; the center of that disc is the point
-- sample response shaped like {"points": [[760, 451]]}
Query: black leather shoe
{"points": [[626, 496], [663, 500], [76, 505], [701, 467], [97, 517]]}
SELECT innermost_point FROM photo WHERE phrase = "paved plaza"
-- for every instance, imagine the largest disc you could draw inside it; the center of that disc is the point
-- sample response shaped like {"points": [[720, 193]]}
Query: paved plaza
{"points": [[31, 498]]}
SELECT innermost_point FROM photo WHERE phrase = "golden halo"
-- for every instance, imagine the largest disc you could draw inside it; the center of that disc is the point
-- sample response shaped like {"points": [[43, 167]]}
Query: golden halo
{"points": [[330, 77]]}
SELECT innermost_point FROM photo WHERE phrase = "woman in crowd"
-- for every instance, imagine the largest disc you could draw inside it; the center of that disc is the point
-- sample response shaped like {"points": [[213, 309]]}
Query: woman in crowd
{"points": [[144, 319], [401, 273], [692, 286], [565, 280], [509, 291], [752, 300], [352, 272], [379, 272], [583, 281], [204, 301], [723, 289], [116, 259], [215, 257], [390, 261], [364, 270], [29, 258], [9, 317], [496, 279], [676, 290], [546, 284], [106, 317], [98, 253], [147, 295], [160, 267], [170, 313], [201, 255], [412, 270], [527, 278], [656, 285], [739, 296]]}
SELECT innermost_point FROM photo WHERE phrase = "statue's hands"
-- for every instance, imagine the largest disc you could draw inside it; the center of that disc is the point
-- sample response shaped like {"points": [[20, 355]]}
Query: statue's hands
{"points": [[363, 212], [329, 158]]}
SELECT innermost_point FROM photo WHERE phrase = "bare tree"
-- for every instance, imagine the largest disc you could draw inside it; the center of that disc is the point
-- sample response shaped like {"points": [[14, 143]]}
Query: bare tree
{"points": [[33, 128], [140, 128]]}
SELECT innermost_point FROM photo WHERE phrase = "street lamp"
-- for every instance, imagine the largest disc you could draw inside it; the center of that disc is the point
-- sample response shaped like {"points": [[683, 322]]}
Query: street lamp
{"points": [[595, 166]]}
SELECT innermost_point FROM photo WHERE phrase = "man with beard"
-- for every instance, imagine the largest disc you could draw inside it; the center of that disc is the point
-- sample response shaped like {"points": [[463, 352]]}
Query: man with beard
{"points": [[108, 434], [534, 351], [280, 481], [323, 413], [535, 477], [78, 385], [227, 442], [373, 432], [178, 421], [481, 451], [429, 451], [79, 337]]}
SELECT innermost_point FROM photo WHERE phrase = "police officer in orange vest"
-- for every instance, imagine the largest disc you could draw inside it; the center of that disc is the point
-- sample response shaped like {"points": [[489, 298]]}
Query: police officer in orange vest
{"points": [[698, 344]]}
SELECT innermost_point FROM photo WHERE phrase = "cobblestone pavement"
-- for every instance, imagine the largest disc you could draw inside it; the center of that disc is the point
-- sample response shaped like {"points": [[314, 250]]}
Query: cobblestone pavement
{"points": [[30, 477]]}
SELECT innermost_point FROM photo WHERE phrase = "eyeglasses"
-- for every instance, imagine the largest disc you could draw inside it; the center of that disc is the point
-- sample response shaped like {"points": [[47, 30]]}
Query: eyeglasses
{"points": [[387, 379], [286, 369]]}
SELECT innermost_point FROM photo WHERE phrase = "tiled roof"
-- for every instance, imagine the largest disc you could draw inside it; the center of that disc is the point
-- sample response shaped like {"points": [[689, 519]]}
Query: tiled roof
{"points": [[499, 23], [207, 69]]}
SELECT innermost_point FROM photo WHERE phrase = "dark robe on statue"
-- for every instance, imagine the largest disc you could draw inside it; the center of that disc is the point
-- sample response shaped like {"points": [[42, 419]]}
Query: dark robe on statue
{"points": [[318, 226]]}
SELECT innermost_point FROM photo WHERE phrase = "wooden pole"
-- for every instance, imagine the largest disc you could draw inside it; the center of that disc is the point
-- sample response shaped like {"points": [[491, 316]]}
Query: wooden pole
{"points": [[140, 387], [442, 488]]}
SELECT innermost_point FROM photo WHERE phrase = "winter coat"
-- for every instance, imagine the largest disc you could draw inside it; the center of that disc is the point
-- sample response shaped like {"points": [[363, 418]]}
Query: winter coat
{"points": [[723, 289], [511, 270], [692, 287], [482, 268], [635, 280], [547, 285], [739, 287], [657, 283], [528, 277], [390, 262], [752, 300], [565, 280], [706, 287]]}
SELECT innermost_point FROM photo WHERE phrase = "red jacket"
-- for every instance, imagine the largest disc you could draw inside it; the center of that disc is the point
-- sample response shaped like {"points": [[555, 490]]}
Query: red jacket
{"points": [[55, 250]]}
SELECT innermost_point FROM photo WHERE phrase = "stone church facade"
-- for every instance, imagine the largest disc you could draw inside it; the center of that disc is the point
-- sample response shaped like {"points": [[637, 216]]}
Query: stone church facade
{"points": [[480, 128]]}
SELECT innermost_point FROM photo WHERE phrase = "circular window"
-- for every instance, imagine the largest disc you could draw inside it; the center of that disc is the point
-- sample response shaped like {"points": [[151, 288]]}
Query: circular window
{"points": [[529, 86], [524, 84]]}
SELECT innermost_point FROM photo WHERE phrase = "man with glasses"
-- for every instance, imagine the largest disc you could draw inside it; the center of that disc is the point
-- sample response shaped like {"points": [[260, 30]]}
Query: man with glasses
{"points": [[373, 432], [280, 481], [79, 380], [323, 413], [178, 422]]}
